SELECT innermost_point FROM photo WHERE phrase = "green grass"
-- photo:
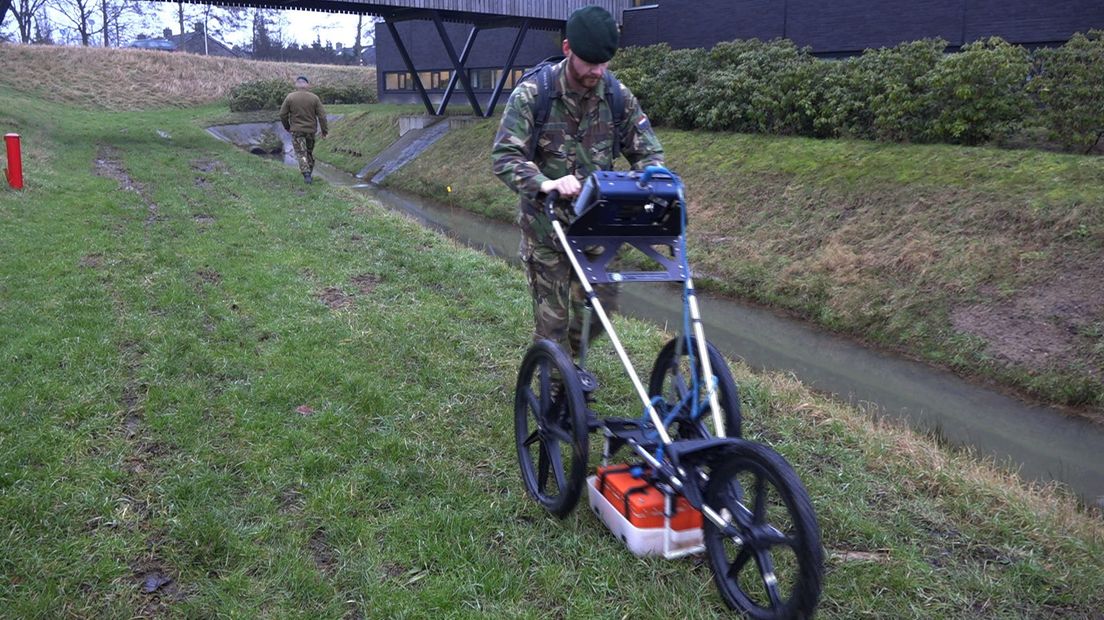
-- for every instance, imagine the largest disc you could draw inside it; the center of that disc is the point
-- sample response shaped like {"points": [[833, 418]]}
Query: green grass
{"points": [[161, 326], [364, 133], [887, 243]]}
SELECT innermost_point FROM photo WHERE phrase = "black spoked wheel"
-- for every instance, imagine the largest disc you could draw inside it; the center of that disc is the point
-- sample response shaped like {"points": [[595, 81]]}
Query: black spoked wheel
{"points": [[550, 425], [672, 379], [768, 562]]}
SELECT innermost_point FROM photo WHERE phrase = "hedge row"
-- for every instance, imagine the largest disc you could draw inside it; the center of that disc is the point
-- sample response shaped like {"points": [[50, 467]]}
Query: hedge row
{"points": [[913, 92], [269, 94]]}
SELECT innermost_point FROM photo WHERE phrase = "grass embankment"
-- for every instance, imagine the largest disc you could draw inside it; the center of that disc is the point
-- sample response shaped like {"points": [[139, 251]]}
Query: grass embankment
{"points": [[986, 261], [118, 79], [363, 134], [230, 394]]}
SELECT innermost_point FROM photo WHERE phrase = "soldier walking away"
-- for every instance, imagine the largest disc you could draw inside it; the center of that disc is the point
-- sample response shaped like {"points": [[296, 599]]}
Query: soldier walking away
{"points": [[303, 115], [562, 122]]}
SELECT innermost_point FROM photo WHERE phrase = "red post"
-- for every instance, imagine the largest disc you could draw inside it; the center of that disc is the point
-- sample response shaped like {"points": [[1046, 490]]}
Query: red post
{"points": [[15, 161]]}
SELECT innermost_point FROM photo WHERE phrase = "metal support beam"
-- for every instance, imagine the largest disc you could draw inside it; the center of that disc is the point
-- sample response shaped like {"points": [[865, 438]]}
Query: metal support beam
{"points": [[514, 49], [464, 81], [455, 74], [409, 65]]}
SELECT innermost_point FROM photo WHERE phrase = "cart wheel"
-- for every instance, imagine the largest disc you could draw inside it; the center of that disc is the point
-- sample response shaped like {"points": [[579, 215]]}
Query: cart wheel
{"points": [[550, 426], [768, 562], [671, 379]]}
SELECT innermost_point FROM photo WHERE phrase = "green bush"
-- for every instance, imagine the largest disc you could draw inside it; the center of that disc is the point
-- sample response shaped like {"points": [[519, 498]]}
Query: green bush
{"points": [[662, 79], [258, 95], [1070, 87], [890, 85], [346, 93], [269, 94], [913, 92], [977, 94], [754, 86], [831, 98]]}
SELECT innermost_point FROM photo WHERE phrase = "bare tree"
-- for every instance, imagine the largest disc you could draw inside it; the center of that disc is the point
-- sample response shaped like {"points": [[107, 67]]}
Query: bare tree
{"points": [[365, 36], [4, 6], [137, 17], [267, 34], [218, 20], [44, 29], [121, 17], [181, 16], [111, 16], [24, 12], [79, 13]]}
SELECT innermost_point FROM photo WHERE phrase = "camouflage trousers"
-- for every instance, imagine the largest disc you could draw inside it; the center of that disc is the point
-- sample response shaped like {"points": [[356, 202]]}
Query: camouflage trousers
{"points": [[303, 143], [559, 302]]}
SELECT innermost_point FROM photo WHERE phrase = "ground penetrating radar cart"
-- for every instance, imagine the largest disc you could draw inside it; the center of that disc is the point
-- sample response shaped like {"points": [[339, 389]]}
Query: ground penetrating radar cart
{"points": [[692, 469]]}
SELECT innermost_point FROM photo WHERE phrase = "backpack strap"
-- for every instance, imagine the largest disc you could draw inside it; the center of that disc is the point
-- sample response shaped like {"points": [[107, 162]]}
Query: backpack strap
{"points": [[543, 72], [616, 101], [544, 105]]}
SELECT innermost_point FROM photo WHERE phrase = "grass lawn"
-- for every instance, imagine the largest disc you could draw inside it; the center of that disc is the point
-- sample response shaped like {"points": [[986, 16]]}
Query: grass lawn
{"points": [[981, 260], [228, 394]]}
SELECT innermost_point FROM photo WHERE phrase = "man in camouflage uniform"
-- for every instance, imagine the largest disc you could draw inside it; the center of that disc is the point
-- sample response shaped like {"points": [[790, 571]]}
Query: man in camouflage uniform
{"points": [[302, 115], [575, 141]]}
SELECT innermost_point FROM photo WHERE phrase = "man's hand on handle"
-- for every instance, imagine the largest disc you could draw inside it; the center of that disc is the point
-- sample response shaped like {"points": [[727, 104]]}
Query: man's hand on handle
{"points": [[567, 186]]}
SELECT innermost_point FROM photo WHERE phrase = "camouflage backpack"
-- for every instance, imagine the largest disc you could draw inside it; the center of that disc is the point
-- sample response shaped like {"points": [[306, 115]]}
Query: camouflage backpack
{"points": [[544, 72]]}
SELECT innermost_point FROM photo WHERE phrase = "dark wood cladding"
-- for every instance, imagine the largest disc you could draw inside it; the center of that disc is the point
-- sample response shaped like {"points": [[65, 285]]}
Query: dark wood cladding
{"points": [[490, 48], [850, 26], [855, 25], [836, 28], [539, 9], [1049, 22]]}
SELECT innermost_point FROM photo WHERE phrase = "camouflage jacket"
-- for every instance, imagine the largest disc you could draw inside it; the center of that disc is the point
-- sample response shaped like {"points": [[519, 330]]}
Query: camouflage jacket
{"points": [[577, 139]]}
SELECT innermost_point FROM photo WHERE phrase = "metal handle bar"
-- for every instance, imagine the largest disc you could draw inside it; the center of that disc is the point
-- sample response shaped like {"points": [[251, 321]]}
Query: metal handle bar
{"points": [[549, 201], [650, 171]]}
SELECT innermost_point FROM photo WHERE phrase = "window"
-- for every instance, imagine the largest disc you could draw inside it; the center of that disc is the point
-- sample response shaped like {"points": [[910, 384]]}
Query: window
{"points": [[397, 80], [434, 80], [487, 79], [481, 79], [402, 80], [515, 77]]}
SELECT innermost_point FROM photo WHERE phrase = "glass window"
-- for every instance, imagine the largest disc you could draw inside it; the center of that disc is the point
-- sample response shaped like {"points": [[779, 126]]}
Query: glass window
{"points": [[397, 80], [482, 79]]}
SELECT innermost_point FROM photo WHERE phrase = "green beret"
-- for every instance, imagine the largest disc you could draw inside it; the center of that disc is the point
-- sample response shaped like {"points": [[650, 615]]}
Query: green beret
{"points": [[592, 34]]}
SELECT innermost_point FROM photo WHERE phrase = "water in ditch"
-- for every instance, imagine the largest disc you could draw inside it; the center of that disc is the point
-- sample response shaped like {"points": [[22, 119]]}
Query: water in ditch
{"points": [[1042, 443]]}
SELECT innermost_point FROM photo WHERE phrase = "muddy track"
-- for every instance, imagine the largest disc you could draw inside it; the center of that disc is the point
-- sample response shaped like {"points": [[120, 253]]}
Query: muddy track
{"points": [[156, 583], [108, 164]]}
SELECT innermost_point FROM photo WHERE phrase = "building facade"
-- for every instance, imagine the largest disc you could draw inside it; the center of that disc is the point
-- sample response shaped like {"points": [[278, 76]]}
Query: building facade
{"points": [[485, 63], [847, 27], [838, 28]]}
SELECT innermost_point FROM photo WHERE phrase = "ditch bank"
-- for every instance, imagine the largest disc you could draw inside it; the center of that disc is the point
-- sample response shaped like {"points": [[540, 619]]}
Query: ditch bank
{"points": [[1042, 443]]}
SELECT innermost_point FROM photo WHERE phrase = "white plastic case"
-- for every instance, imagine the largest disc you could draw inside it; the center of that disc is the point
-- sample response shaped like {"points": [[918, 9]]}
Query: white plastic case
{"points": [[643, 541]]}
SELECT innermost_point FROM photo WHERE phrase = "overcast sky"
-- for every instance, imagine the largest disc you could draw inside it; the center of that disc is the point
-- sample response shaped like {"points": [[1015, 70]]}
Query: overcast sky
{"points": [[300, 26]]}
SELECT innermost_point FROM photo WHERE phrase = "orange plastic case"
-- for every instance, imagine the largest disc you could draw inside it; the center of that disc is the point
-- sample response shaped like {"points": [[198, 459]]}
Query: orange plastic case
{"points": [[640, 502]]}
